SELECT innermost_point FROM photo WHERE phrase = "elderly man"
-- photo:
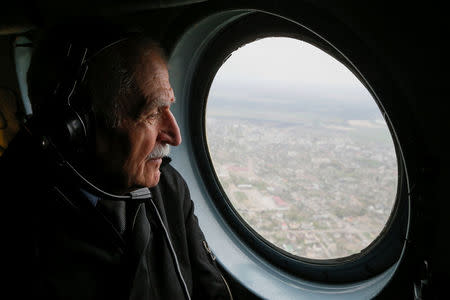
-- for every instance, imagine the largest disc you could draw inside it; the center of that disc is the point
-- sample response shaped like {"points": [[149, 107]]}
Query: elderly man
{"points": [[87, 233]]}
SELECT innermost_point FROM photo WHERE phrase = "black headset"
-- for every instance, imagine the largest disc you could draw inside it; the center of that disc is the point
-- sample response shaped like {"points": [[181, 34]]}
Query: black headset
{"points": [[67, 116], [64, 121]]}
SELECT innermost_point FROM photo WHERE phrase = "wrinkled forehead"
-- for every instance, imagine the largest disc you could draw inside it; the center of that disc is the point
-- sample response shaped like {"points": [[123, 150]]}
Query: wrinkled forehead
{"points": [[152, 78]]}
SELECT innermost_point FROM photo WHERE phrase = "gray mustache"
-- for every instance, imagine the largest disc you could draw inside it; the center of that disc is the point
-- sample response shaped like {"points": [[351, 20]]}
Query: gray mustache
{"points": [[159, 151]]}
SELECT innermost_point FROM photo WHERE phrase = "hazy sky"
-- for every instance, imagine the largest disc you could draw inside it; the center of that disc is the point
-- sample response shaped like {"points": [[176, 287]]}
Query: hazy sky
{"points": [[287, 66]]}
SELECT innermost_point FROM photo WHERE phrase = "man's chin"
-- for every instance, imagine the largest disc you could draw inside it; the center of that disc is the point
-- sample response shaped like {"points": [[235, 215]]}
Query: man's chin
{"points": [[152, 172], [154, 180]]}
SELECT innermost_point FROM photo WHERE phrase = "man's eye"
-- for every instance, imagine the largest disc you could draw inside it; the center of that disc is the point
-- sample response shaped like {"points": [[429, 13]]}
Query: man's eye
{"points": [[150, 118], [153, 115]]}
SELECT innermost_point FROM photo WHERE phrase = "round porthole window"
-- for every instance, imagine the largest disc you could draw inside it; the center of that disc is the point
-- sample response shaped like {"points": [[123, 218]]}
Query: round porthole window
{"points": [[296, 150], [301, 149]]}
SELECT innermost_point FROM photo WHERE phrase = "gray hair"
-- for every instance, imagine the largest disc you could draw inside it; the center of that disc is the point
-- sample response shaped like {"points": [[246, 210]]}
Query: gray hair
{"points": [[111, 79]]}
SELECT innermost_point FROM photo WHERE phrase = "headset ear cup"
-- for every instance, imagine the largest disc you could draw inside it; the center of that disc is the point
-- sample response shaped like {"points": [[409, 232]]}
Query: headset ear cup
{"points": [[70, 133], [76, 128]]}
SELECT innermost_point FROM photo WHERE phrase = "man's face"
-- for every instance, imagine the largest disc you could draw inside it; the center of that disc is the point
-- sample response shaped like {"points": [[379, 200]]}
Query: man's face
{"points": [[126, 151]]}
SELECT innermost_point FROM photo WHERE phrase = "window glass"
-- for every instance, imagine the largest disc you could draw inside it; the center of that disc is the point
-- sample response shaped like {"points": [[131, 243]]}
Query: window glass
{"points": [[301, 149]]}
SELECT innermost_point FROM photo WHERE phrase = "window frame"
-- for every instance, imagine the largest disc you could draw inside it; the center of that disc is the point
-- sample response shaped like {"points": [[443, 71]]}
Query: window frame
{"points": [[372, 260], [266, 274]]}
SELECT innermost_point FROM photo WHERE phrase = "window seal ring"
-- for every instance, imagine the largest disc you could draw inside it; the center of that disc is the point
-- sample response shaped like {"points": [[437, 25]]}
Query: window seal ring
{"points": [[321, 270]]}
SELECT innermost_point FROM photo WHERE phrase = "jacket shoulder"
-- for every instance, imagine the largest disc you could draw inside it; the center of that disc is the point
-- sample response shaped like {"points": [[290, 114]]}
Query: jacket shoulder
{"points": [[174, 190], [172, 178]]}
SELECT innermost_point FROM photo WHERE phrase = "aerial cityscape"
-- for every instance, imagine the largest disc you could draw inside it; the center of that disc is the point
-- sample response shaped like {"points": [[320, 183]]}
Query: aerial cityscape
{"points": [[301, 149], [321, 189]]}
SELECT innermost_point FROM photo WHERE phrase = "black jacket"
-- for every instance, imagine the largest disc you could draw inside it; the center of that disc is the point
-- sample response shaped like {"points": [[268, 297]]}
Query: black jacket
{"points": [[59, 246]]}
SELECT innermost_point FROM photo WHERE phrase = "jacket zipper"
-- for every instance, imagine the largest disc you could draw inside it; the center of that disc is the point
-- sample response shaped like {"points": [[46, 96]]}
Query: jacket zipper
{"points": [[213, 258], [205, 245]]}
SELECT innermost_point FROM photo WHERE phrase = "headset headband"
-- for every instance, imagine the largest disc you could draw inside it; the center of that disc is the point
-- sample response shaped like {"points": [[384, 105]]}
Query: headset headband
{"points": [[79, 58], [67, 117]]}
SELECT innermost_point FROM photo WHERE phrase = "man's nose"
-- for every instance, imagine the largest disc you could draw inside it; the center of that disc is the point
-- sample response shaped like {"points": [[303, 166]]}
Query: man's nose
{"points": [[169, 130]]}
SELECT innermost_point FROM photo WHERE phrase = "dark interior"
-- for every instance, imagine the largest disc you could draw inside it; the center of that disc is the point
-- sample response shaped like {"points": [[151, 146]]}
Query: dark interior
{"points": [[407, 42]]}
